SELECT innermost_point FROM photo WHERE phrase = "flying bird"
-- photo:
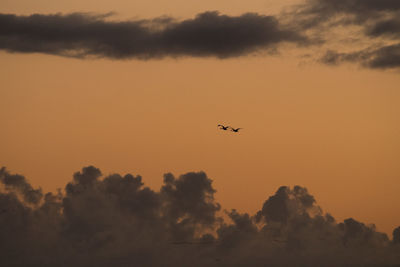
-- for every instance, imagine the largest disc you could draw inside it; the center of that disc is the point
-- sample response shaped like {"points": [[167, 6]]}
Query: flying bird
{"points": [[222, 127], [235, 130]]}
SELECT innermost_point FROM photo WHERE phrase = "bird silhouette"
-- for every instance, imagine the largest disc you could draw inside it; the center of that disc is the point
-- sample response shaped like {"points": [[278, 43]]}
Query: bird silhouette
{"points": [[235, 130], [222, 127]]}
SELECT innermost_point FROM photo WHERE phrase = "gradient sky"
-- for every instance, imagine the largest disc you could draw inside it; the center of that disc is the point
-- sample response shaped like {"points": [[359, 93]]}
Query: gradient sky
{"points": [[334, 130]]}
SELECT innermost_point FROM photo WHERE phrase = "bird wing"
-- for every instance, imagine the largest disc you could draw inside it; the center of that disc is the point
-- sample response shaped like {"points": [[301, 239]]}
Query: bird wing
{"points": [[235, 130]]}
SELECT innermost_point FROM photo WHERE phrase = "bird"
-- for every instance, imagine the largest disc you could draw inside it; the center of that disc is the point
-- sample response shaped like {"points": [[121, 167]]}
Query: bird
{"points": [[222, 127], [235, 130]]}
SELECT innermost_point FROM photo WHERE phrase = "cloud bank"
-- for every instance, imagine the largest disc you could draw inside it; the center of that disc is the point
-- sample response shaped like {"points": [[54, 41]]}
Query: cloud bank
{"points": [[85, 35], [117, 221]]}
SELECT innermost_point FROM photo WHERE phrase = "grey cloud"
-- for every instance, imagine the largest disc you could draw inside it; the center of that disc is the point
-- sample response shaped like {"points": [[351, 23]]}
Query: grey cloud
{"points": [[188, 204], [85, 35], [357, 6], [285, 203], [386, 28], [384, 57], [118, 221], [396, 235], [355, 11], [21, 186], [378, 19], [355, 231], [209, 34], [104, 222]]}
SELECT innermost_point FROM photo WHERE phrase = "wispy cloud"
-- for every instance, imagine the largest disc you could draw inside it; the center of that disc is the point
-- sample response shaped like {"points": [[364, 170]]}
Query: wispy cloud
{"points": [[378, 19]]}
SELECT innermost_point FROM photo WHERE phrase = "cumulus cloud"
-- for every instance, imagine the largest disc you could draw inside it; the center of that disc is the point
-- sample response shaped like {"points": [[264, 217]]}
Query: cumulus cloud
{"points": [[86, 35], [19, 184], [117, 221]]}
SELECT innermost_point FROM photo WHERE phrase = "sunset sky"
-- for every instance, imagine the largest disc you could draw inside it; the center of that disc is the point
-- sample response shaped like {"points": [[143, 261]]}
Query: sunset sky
{"points": [[317, 105]]}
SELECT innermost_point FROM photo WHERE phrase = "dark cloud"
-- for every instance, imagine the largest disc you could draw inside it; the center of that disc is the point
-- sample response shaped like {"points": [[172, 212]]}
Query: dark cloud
{"points": [[85, 35], [189, 203], [386, 28], [379, 58], [211, 34], [378, 20], [396, 235], [21, 186], [117, 221], [346, 11]]}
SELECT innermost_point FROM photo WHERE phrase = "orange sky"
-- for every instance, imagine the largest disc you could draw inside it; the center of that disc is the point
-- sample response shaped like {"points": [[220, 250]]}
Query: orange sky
{"points": [[334, 130]]}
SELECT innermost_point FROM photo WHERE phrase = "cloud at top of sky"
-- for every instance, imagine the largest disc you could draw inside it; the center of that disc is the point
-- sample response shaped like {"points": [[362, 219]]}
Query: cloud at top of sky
{"points": [[210, 34], [86, 35], [118, 221], [378, 19], [357, 11]]}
